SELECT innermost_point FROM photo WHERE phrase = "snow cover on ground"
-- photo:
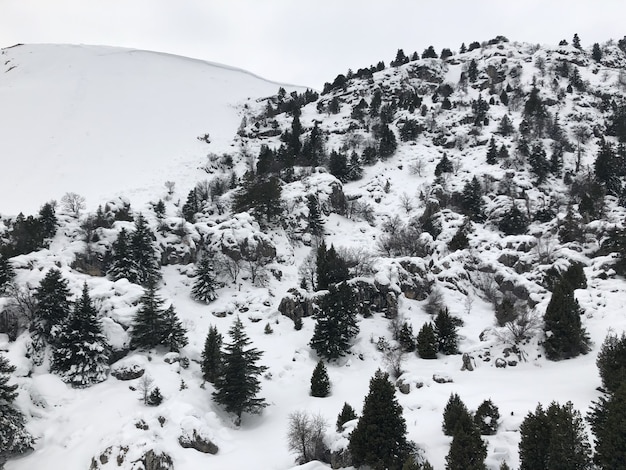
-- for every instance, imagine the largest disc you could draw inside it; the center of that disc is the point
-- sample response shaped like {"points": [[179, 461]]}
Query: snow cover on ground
{"points": [[89, 120], [102, 121]]}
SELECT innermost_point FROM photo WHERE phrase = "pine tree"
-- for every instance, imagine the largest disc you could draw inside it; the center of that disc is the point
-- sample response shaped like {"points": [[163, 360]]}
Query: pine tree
{"points": [[505, 128], [238, 384], [427, 345], [454, 412], [388, 143], [81, 354], [406, 338], [174, 335], [608, 423], [379, 439], [565, 335], [123, 264], [155, 398], [443, 166], [336, 323], [355, 170], [191, 206], [338, 166], [472, 200], [539, 164], [320, 383], [472, 71], [14, 438], [331, 268], [212, 355], [53, 306], [467, 450], [203, 289], [492, 152], [314, 219], [143, 252], [513, 221], [445, 329], [148, 327], [576, 41], [347, 414], [486, 418], [611, 362], [596, 52], [6, 273], [48, 220], [554, 438]]}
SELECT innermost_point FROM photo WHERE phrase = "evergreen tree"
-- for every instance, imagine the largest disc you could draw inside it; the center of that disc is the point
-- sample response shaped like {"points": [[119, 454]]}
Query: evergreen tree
{"points": [[320, 383], [576, 41], [503, 153], [608, 167], [204, 285], [505, 127], [331, 268], [444, 166], [406, 338], [174, 335], [191, 206], [313, 147], [504, 99], [338, 166], [212, 355], [379, 439], [429, 53], [608, 423], [454, 412], [123, 264], [149, 326], [155, 398], [514, 221], [81, 355], [261, 196], [553, 439], [570, 229], [565, 335], [556, 158], [486, 418], [6, 273], [611, 362], [467, 450], [143, 252], [472, 71], [237, 385], [400, 59], [355, 170], [347, 414], [387, 144], [48, 220], [427, 345], [445, 329], [336, 323], [53, 306], [539, 164], [14, 438], [596, 52], [492, 152], [472, 200]]}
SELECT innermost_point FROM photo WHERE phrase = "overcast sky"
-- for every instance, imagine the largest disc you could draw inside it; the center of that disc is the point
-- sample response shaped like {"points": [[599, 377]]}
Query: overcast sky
{"points": [[305, 42]]}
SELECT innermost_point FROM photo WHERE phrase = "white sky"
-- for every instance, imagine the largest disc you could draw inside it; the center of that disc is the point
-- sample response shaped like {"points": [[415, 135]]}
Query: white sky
{"points": [[304, 42]]}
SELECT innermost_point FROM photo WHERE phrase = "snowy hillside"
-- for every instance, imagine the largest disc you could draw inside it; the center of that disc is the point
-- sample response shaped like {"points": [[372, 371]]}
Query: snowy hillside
{"points": [[101, 121], [469, 183]]}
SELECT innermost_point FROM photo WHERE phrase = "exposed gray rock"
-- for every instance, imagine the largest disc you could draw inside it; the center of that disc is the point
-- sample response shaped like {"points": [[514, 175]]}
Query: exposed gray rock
{"points": [[199, 443], [467, 362], [500, 363], [403, 386], [442, 379], [128, 372]]}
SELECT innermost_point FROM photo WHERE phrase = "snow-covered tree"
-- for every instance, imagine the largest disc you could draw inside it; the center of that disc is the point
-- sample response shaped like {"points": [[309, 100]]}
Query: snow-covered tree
{"points": [[53, 306], [174, 334], [212, 355], [205, 283], [123, 264]]}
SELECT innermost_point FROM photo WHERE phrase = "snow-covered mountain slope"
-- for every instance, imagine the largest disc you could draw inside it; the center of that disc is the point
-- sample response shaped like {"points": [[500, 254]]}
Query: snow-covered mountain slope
{"points": [[102, 121], [396, 194]]}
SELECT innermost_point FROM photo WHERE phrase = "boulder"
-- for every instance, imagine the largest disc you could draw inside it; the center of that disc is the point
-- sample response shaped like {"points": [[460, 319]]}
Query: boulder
{"points": [[197, 442], [128, 371]]}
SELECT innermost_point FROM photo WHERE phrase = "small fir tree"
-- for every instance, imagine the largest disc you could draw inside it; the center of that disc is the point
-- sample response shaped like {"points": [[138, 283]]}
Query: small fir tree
{"points": [[565, 335], [513, 221], [238, 384], [48, 220], [611, 362], [486, 418], [191, 206], [427, 345], [6, 273], [203, 289], [320, 383], [123, 264], [174, 334], [472, 200], [331, 268], [454, 411], [406, 338], [314, 219], [467, 450], [149, 323], [144, 254], [347, 414], [155, 398], [212, 355], [53, 306], [379, 439], [608, 423], [81, 355], [492, 152], [446, 330]]}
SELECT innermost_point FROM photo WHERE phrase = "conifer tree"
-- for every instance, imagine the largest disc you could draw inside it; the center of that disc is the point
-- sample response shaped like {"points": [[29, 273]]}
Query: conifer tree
{"points": [[347, 414], [336, 323], [486, 418], [454, 411], [331, 268], [406, 338], [143, 252], [596, 52], [237, 386], [427, 345], [203, 288], [611, 362], [355, 170], [505, 127], [320, 383], [472, 200], [554, 438], [379, 439], [314, 219], [53, 306], [123, 264], [492, 152], [191, 206], [443, 166], [6, 273], [472, 71], [539, 163], [48, 220], [608, 423], [149, 326], [81, 354], [565, 335], [14, 438], [445, 329], [388, 143], [338, 166], [212, 355], [467, 450], [174, 335], [514, 221]]}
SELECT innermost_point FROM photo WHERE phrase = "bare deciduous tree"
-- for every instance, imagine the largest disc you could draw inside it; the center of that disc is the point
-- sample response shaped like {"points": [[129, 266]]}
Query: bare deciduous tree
{"points": [[73, 203], [306, 436], [227, 266], [169, 185], [145, 387]]}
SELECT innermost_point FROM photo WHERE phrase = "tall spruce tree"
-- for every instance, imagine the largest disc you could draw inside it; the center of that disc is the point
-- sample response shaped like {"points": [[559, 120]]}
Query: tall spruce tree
{"points": [[427, 345], [48, 220], [14, 438], [174, 335], [81, 355], [472, 200], [331, 268], [314, 218], [212, 355], [467, 450], [149, 325], [123, 264], [6, 273], [320, 383], [379, 439], [554, 438], [608, 423], [237, 386], [565, 335], [492, 152], [611, 362], [445, 329], [454, 412], [144, 254], [336, 323], [53, 306], [204, 285]]}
